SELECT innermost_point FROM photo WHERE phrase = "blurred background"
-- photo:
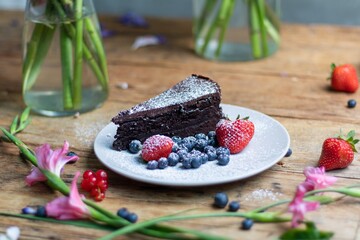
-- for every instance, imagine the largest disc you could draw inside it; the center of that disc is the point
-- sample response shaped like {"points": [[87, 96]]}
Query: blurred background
{"points": [[293, 11]]}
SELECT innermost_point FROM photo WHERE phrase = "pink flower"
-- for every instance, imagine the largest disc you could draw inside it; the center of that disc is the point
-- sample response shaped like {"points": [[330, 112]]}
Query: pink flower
{"points": [[298, 207], [317, 177], [48, 159], [68, 208]]}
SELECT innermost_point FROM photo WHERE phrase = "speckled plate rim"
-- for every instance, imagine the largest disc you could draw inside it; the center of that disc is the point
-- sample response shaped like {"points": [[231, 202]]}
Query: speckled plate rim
{"points": [[268, 146]]}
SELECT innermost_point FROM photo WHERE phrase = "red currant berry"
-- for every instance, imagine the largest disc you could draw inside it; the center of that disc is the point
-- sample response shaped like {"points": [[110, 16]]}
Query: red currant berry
{"points": [[99, 197], [95, 191], [102, 184], [101, 174], [88, 183], [87, 174]]}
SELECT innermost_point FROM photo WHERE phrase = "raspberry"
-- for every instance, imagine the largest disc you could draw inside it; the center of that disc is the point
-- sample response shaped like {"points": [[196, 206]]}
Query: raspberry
{"points": [[155, 147]]}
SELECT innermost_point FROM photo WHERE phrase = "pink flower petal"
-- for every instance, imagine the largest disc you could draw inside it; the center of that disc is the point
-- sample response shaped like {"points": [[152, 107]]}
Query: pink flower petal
{"points": [[50, 160], [68, 208], [35, 176], [318, 178], [298, 207]]}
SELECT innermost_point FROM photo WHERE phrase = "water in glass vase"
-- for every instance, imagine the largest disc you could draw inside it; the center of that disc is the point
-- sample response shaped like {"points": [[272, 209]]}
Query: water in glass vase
{"points": [[64, 65]]}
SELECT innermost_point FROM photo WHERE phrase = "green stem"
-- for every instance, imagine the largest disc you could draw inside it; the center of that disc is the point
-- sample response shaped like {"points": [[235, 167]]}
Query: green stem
{"points": [[254, 29], [96, 40], [228, 11], [260, 8], [201, 21], [66, 63], [263, 217], [78, 54], [22, 147]]}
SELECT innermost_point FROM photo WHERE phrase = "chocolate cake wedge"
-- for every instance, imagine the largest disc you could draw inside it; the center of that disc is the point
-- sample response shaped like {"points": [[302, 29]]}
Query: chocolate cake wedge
{"points": [[191, 106]]}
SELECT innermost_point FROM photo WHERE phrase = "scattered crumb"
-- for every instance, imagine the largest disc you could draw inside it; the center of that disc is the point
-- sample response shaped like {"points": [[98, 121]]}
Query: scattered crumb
{"points": [[281, 163], [122, 85], [77, 115]]}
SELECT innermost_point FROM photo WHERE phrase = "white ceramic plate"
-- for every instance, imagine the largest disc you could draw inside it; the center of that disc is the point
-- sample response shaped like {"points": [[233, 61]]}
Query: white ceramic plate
{"points": [[269, 144]]}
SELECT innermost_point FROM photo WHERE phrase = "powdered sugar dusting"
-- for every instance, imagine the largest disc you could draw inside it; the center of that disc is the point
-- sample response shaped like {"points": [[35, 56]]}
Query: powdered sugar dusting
{"points": [[269, 145], [192, 87], [263, 194], [86, 132]]}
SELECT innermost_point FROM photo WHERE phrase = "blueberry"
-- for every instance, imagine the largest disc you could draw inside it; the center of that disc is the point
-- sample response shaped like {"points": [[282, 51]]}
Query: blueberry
{"points": [[176, 139], [221, 199], [195, 152], [40, 211], [135, 146], [200, 144], [288, 153], [163, 163], [186, 163], [204, 158], [28, 210], [195, 161], [123, 212], [212, 155], [201, 136], [175, 148], [247, 224], [182, 153], [209, 148], [234, 206], [173, 159], [182, 147], [211, 134], [71, 154], [211, 152], [223, 159], [351, 103], [152, 165], [212, 142], [189, 142], [132, 217], [222, 150]]}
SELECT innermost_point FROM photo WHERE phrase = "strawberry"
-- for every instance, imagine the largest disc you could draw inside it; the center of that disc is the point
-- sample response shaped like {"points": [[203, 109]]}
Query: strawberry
{"points": [[155, 147], [234, 135], [338, 152], [344, 78]]}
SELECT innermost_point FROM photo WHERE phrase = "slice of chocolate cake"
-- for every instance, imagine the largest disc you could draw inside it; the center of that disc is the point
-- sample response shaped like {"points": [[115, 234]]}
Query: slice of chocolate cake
{"points": [[191, 106]]}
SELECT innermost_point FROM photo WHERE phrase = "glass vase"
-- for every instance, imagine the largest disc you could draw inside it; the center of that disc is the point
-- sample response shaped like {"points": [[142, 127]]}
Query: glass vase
{"points": [[64, 63], [236, 30]]}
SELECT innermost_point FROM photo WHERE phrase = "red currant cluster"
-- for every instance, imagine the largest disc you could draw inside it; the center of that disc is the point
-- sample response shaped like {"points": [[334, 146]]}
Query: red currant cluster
{"points": [[96, 183]]}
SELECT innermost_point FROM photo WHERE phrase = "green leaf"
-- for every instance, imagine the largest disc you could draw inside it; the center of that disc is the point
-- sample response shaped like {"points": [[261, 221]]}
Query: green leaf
{"points": [[310, 233], [24, 117], [14, 124]]}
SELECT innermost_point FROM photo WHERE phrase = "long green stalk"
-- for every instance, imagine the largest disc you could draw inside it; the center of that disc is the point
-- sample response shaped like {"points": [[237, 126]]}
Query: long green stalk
{"points": [[255, 38], [78, 54], [66, 63], [207, 9], [100, 52], [260, 9], [227, 13]]}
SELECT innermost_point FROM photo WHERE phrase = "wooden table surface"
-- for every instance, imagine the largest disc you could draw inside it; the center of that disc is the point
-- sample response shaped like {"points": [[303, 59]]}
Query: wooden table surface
{"points": [[289, 86]]}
